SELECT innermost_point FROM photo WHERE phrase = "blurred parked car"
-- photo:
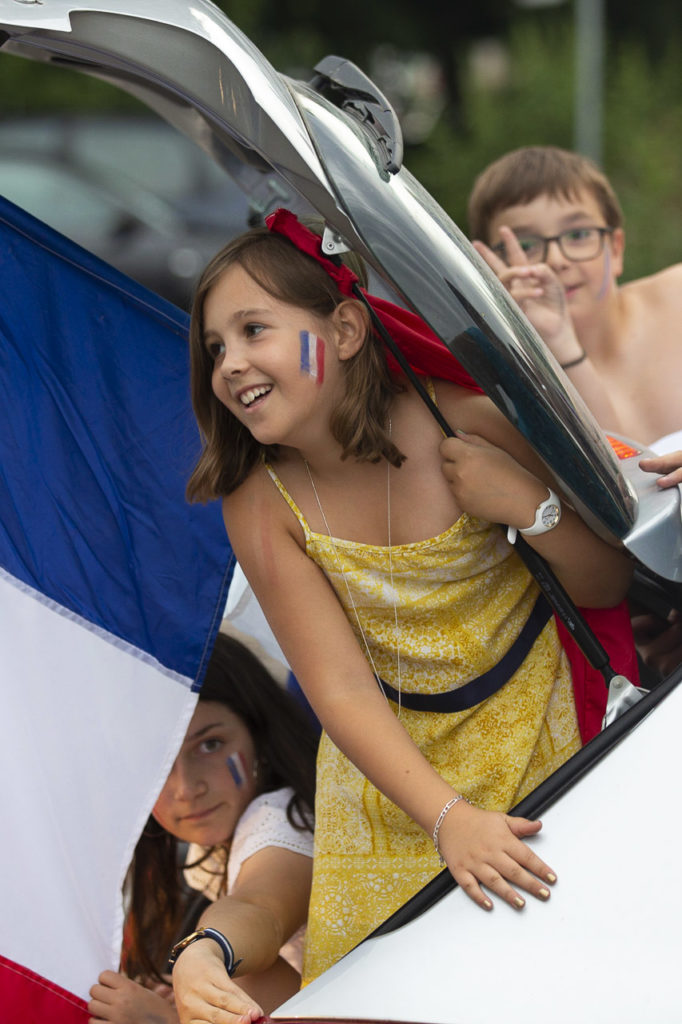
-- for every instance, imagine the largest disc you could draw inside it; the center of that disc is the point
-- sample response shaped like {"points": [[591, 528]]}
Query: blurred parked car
{"points": [[132, 190]]}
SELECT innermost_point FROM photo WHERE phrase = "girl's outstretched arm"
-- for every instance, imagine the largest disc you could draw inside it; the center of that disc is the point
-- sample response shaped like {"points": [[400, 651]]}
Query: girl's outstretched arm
{"points": [[494, 474], [268, 903], [480, 847], [205, 993]]}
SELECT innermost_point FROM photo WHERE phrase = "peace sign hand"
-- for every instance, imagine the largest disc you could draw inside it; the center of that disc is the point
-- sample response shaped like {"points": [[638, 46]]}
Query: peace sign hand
{"points": [[539, 293]]}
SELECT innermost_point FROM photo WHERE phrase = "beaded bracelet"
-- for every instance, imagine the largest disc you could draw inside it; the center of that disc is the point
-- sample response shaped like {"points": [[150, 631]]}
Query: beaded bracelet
{"points": [[439, 821], [574, 362]]}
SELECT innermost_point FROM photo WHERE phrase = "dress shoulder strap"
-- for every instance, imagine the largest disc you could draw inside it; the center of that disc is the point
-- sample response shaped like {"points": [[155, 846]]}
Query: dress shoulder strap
{"points": [[287, 497]]}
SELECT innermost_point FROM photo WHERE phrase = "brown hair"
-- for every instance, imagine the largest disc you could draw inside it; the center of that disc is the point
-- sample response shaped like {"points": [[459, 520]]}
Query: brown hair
{"points": [[526, 173], [285, 741], [359, 423]]}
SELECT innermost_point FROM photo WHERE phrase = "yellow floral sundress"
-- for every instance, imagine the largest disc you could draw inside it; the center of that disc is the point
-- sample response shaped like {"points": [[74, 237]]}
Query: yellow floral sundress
{"points": [[463, 598]]}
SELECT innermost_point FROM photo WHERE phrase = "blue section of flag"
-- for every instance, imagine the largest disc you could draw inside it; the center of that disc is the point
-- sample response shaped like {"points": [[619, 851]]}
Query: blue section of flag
{"points": [[97, 441], [305, 351]]}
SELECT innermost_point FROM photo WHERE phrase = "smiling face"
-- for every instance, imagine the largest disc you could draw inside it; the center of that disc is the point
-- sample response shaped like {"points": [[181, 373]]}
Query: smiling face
{"points": [[588, 283], [212, 779], [276, 367]]}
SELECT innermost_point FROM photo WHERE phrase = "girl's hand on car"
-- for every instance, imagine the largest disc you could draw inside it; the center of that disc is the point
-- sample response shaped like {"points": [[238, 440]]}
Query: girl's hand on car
{"points": [[204, 991], [485, 848]]}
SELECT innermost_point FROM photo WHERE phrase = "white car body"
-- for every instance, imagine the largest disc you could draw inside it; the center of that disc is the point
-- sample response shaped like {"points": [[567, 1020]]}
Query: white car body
{"points": [[605, 947]]}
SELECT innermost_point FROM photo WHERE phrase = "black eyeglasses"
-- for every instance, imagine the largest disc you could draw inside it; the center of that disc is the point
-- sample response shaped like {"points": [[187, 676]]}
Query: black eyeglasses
{"points": [[576, 244]]}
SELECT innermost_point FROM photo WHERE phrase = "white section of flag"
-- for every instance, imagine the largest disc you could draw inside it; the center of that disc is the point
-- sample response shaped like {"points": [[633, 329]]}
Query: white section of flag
{"points": [[245, 615], [89, 728]]}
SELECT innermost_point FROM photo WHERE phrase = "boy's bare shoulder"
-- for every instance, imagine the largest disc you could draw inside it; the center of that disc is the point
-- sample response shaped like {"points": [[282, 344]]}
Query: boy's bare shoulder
{"points": [[662, 290]]}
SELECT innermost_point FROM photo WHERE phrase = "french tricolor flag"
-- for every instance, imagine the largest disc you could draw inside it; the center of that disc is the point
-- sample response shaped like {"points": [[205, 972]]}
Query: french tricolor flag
{"points": [[312, 355], [111, 591]]}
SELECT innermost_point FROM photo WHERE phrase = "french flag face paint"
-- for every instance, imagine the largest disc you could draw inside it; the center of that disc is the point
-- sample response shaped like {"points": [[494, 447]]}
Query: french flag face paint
{"points": [[312, 355], [606, 279], [236, 764]]}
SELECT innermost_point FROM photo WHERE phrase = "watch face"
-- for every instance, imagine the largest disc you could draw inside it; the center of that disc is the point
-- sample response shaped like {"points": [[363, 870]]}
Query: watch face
{"points": [[550, 516]]}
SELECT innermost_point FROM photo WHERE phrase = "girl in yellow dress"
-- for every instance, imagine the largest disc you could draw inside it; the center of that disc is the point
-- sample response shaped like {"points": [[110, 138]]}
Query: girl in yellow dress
{"points": [[414, 629]]}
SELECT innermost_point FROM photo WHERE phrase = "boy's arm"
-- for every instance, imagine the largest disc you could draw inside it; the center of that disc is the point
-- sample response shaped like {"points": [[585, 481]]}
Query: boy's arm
{"points": [[540, 295]]}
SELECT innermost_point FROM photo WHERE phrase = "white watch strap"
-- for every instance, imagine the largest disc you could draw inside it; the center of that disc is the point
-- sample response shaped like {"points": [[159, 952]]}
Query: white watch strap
{"points": [[547, 516]]}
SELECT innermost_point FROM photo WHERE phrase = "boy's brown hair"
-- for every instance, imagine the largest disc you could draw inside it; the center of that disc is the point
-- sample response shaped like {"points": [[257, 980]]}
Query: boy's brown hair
{"points": [[524, 174], [359, 423]]}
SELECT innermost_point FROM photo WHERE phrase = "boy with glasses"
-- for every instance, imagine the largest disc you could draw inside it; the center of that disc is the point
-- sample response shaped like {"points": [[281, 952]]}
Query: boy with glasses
{"points": [[549, 224]]}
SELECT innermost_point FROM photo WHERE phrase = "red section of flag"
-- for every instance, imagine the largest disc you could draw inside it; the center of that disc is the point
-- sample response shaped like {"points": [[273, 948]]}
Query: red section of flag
{"points": [[27, 997]]}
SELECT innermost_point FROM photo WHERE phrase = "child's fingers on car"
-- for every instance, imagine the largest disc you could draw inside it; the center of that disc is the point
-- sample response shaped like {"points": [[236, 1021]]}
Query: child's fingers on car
{"points": [[530, 874], [537, 873], [469, 883], [502, 878]]}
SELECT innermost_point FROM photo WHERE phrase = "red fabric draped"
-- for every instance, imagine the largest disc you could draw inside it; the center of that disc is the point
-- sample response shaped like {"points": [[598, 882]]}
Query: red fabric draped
{"points": [[612, 628], [423, 349], [28, 998]]}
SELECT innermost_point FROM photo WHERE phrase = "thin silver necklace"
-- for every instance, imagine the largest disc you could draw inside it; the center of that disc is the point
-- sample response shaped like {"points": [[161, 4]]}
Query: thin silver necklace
{"points": [[339, 563]]}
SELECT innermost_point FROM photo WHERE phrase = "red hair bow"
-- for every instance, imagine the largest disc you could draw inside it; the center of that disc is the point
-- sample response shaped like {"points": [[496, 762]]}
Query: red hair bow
{"points": [[425, 352]]}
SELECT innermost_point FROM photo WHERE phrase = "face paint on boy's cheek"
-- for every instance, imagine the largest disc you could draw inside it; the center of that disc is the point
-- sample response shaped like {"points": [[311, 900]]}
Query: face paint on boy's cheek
{"points": [[236, 764], [312, 356], [606, 279]]}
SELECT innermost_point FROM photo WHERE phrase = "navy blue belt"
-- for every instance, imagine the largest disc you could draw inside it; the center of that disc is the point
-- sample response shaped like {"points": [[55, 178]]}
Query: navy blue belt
{"points": [[490, 682]]}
